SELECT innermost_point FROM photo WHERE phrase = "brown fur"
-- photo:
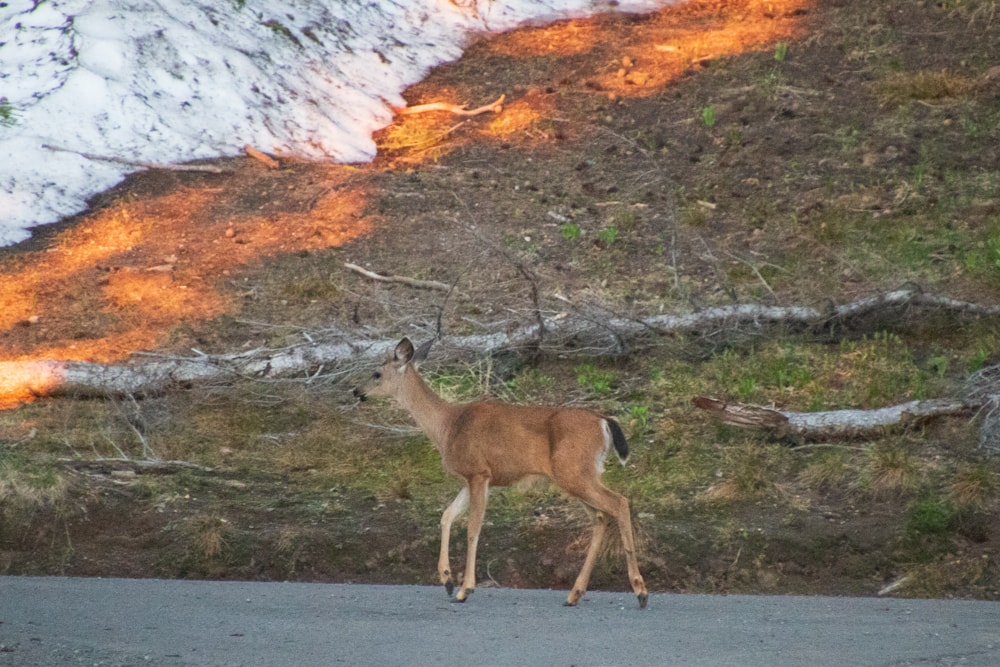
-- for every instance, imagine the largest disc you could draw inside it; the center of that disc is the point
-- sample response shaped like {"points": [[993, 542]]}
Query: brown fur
{"points": [[497, 444]]}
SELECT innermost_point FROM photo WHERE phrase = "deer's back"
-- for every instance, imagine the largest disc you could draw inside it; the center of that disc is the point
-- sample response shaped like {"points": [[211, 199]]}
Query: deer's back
{"points": [[507, 442]]}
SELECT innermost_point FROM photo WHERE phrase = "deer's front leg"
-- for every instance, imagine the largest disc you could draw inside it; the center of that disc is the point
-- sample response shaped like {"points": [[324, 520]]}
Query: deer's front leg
{"points": [[458, 505], [478, 488]]}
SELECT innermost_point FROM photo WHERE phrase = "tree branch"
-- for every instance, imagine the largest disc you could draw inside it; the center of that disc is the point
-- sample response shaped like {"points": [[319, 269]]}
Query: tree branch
{"points": [[412, 282], [461, 110], [136, 163]]}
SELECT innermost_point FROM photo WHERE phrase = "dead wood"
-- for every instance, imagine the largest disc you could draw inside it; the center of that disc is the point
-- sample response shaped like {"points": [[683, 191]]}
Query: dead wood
{"points": [[412, 282], [557, 332], [983, 389], [461, 110], [137, 163], [261, 157], [833, 424]]}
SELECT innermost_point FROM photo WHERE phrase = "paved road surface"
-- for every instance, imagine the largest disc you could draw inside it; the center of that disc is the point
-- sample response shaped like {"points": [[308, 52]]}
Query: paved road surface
{"points": [[48, 621]]}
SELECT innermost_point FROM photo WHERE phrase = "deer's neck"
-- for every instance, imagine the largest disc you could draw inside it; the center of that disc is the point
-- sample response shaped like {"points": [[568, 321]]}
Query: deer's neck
{"points": [[432, 413]]}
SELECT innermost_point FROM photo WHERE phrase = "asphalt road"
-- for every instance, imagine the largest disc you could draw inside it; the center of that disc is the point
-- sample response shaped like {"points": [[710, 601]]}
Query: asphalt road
{"points": [[50, 621]]}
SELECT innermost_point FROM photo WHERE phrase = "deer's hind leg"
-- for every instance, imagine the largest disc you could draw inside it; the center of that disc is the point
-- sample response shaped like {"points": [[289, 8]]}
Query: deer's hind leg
{"points": [[455, 509], [599, 522], [615, 505]]}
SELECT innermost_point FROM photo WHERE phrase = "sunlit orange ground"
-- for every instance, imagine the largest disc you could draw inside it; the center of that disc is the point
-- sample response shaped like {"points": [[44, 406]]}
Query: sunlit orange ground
{"points": [[125, 275]]}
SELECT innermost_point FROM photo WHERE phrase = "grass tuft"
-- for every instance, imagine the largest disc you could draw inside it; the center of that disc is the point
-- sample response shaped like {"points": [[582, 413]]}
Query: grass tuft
{"points": [[831, 469], [27, 486], [890, 471], [899, 88], [748, 472], [974, 486]]}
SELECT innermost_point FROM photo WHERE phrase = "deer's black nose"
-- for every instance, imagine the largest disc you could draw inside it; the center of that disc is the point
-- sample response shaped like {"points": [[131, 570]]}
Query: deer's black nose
{"points": [[360, 394]]}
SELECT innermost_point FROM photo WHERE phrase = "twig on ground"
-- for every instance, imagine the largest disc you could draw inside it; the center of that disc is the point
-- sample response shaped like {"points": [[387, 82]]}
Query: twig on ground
{"points": [[137, 163], [412, 282], [756, 272], [261, 157]]}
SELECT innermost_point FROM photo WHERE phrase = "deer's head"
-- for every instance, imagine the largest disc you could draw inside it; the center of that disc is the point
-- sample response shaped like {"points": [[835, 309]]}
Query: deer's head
{"points": [[387, 380]]}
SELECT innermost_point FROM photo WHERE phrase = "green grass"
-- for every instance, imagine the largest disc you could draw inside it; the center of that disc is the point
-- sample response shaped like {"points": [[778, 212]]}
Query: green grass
{"points": [[570, 232], [926, 247], [608, 235], [8, 117], [829, 469], [707, 116], [29, 485], [597, 381], [931, 515], [972, 486], [869, 372]]}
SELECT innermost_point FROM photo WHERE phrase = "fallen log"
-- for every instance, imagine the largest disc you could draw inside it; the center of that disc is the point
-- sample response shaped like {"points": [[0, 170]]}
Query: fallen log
{"points": [[559, 332], [833, 424]]}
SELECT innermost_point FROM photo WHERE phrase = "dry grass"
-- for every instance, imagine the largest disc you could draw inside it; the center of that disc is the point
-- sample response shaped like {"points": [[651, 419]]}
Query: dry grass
{"points": [[974, 486], [939, 579], [209, 535], [26, 488], [830, 469], [900, 88], [891, 470], [423, 138], [748, 472]]}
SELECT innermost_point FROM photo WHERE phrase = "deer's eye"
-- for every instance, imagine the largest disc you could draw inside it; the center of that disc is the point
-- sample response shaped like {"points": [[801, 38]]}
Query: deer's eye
{"points": [[377, 375]]}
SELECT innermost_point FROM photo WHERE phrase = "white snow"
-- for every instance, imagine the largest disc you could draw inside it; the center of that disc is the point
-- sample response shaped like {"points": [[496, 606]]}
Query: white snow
{"points": [[166, 81]]}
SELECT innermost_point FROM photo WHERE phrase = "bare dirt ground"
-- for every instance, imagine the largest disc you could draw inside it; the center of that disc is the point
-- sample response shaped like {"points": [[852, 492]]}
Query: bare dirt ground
{"points": [[641, 163]]}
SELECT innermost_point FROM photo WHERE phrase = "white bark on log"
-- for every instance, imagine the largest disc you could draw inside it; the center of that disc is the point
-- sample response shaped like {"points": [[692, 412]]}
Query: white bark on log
{"points": [[20, 380], [833, 424]]}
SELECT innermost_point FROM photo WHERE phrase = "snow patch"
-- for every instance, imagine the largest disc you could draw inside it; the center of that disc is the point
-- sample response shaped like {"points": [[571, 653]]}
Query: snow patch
{"points": [[168, 82]]}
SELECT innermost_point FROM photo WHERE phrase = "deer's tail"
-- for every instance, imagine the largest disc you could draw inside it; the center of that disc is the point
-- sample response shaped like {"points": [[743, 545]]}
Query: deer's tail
{"points": [[618, 439]]}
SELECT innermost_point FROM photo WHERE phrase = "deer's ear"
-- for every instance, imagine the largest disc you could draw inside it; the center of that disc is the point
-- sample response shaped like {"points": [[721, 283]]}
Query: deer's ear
{"points": [[422, 351], [404, 351]]}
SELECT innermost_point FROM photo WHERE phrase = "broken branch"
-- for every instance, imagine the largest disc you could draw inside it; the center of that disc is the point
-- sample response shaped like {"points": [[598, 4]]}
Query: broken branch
{"points": [[137, 163], [261, 157], [461, 110], [412, 282]]}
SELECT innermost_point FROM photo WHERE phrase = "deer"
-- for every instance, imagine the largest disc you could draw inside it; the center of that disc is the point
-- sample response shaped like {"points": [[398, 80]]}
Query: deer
{"points": [[493, 444]]}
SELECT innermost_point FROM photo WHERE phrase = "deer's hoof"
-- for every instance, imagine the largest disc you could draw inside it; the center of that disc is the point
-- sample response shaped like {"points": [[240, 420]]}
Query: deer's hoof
{"points": [[643, 599]]}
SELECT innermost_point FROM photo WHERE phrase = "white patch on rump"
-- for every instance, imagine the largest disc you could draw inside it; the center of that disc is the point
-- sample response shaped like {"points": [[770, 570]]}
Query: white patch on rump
{"points": [[602, 455]]}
